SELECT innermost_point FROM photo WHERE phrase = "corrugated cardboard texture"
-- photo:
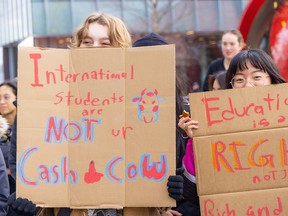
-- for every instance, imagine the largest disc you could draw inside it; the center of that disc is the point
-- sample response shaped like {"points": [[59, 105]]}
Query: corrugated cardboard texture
{"points": [[260, 203], [241, 150], [242, 161], [99, 166], [246, 109]]}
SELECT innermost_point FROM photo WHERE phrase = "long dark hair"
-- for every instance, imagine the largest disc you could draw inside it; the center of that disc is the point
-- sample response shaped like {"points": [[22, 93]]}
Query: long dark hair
{"points": [[181, 141], [258, 59]]}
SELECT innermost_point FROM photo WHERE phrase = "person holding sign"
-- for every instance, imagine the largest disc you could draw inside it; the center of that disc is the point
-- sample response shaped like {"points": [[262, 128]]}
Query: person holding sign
{"points": [[102, 30], [249, 68], [175, 183], [252, 68], [98, 30]]}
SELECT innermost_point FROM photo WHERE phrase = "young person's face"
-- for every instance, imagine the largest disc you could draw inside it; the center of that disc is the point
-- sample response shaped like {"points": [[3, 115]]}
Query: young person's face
{"points": [[250, 78], [6, 100], [230, 45], [97, 36]]}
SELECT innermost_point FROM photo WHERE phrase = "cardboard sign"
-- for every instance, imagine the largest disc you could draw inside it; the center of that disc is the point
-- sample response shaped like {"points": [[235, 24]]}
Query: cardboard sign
{"points": [[241, 150], [96, 126]]}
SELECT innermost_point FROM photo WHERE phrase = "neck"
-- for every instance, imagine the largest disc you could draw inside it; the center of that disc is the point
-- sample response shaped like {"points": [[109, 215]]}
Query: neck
{"points": [[226, 63]]}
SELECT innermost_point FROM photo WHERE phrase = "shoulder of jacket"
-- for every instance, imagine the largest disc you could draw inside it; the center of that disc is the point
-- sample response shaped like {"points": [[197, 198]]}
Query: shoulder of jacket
{"points": [[217, 61]]}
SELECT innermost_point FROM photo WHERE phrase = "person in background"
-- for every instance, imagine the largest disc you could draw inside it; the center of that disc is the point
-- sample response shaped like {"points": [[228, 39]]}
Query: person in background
{"points": [[249, 68], [217, 82], [195, 87], [154, 39], [8, 94], [175, 183], [231, 43]]}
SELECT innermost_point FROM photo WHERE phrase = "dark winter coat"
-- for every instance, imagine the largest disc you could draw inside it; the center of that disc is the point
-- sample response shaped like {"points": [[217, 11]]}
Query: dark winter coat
{"points": [[4, 186], [214, 67]]}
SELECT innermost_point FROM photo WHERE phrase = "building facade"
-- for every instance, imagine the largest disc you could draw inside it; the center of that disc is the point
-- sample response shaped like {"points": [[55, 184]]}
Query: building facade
{"points": [[195, 26]]}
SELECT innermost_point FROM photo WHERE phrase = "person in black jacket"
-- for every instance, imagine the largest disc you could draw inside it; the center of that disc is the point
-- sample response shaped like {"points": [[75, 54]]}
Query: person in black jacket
{"points": [[175, 182], [232, 42], [4, 186]]}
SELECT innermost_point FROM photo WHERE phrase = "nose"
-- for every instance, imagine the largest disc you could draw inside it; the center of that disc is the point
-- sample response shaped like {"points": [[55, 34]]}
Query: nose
{"points": [[249, 83], [2, 100], [96, 43]]}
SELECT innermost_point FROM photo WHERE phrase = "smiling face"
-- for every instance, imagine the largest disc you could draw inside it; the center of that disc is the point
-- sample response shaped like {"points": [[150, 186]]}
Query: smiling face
{"points": [[230, 45], [250, 77], [247, 63], [101, 30], [97, 36]]}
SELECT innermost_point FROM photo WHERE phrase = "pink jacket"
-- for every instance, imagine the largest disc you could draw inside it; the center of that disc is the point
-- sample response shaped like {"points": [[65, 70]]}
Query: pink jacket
{"points": [[188, 162]]}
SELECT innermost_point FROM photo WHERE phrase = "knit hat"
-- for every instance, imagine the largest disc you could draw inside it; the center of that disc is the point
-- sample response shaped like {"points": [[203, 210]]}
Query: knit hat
{"points": [[151, 39]]}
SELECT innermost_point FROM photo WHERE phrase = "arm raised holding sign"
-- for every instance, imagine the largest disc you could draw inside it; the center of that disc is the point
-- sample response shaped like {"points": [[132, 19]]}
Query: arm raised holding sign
{"points": [[249, 68]]}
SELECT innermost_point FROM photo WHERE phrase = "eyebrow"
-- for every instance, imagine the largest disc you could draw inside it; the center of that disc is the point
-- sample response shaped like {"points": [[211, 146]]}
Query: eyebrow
{"points": [[87, 37], [255, 71], [104, 38]]}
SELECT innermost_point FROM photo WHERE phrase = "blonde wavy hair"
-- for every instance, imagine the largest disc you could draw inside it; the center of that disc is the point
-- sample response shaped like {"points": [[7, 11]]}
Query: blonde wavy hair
{"points": [[117, 31]]}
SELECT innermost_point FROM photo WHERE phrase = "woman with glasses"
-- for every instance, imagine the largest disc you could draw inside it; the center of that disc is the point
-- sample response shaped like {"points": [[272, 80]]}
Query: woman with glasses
{"points": [[8, 94], [249, 68]]}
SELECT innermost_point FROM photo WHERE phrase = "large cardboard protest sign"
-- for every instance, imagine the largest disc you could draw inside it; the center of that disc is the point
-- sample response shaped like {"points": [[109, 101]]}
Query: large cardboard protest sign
{"points": [[96, 126], [241, 150]]}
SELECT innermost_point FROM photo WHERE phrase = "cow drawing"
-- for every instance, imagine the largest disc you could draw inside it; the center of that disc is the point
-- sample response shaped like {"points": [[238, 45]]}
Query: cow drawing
{"points": [[148, 106]]}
